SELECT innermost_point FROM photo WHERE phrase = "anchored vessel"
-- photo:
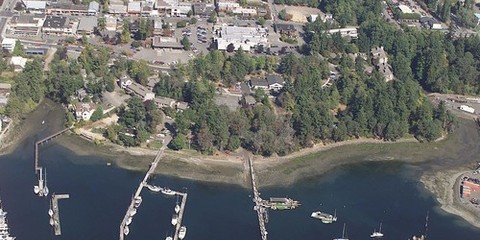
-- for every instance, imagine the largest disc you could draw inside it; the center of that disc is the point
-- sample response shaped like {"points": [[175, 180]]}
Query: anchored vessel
{"points": [[182, 232], [325, 217], [376, 234], [4, 230]]}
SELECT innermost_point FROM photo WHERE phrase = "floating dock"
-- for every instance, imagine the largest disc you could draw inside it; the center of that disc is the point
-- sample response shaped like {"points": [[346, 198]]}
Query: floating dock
{"points": [[143, 184], [180, 214], [56, 212]]}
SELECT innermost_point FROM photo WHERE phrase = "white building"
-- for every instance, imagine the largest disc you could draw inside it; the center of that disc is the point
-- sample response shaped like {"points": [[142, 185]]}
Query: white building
{"points": [[18, 63], [244, 37], [405, 9], [35, 6], [27, 25], [227, 5], [110, 23], [93, 8], [351, 32], [9, 44], [83, 111], [173, 8], [134, 8]]}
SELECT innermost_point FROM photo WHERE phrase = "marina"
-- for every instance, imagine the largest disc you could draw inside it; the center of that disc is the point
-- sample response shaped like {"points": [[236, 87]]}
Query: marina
{"points": [[4, 229], [54, 213]]}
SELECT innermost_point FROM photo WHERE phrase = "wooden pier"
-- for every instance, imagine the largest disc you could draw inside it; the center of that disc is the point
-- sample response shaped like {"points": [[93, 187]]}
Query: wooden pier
{"points": [[56, 212], [38, 143], [153, 165], [180, 214], [259, 203]]}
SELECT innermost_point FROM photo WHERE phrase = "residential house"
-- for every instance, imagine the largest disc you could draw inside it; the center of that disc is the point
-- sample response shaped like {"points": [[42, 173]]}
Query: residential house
{"points": [[125, 81], [380, 60], [270, 83], [9, 44], [181, 106], [140, 91], [18, 63], [117, 9], [227, 5], [83, 111], [5, 89], [59, 25], [81, 94], [163, 102]]}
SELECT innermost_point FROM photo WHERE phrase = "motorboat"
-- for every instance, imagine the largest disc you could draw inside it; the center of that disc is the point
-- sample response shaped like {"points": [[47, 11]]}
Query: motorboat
{"points": [[324, 217], [182, 232], [126, 230], [154, 188], [36, 189], [168, 191], [51, 222], [133, 212], [174, 219], [168, 238], [50, 212], [137, 201], [177, 208], [129, 221]]}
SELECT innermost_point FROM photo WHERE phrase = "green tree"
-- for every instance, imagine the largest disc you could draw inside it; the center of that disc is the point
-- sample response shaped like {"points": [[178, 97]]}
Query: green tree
{"points": [[97, 114], [125, 36], [102, 23], [178, 143], [18, 50], [261, 21], [185, 43]]}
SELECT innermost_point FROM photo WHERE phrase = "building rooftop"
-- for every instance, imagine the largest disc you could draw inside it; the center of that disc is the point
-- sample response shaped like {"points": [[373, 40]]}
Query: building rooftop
{"points": [[117, 9], [68, 6], [87, 24], [26, 19], [35, 4], [166, 42], [404, 8], [134, 6], [9, 41], [93, 6], [55, 22], [271, 79]]}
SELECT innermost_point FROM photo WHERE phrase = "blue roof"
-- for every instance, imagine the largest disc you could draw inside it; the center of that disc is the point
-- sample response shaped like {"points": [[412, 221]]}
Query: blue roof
{"points": [[477, 15]]}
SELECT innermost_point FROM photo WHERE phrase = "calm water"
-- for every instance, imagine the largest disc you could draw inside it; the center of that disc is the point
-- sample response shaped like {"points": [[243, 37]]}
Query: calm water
{"points": [[363, 194]]}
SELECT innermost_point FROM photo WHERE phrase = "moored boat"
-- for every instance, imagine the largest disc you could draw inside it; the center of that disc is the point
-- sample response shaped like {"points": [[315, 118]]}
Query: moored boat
{"points": [[4, 230], [129, 221], [324, 217], [133, 212], [343, 234], [154, 188], [376, 234], [126, 230], [182, 233], [174, 219], [137, 201], [51, 222], [168, 191]]}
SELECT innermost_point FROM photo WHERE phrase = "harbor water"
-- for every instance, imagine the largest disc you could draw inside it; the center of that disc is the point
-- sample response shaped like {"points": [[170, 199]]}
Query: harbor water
{"points": [[363, 195]]}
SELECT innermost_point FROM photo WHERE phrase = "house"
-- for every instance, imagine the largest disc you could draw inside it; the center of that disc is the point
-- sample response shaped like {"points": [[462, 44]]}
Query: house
{"points": [[173, 8], [270, 83], [380, 60], [83, 111], [59, 25], [227, 5], [152, 81], [166, 43], [351, 32], [93, 8], [140, 91], [181, 106], [163, 102], [87, 25], [125, 81], [26, 24], [9, 44], [5, 89], [81, 94], [35, 6], [286, 29], [250, 100], [110, 23], [18, 63]]}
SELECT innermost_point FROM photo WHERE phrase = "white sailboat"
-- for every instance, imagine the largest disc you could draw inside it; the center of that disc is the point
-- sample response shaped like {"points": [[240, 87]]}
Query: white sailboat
{"points": [[36, 189], [45, 188], [154, 188], [182, 232], [177, 207], [168, 191], [325, 217], [126, 230], [133, 212], [51, 222], [343, 234], [138, 201], [129, 221], [376, 234], [174, 219], [4, 229], [169, 238]]}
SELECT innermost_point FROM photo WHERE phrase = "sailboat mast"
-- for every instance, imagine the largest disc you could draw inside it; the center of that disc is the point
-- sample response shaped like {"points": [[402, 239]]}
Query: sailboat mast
{"points": [[426, 224]]}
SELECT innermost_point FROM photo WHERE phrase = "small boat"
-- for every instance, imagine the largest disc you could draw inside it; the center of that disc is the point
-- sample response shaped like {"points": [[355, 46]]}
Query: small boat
{"points": [[182, 232], [168, 191], [154, 188], [168, 238], [174, 219], [43, 122], [45, 188], [137, 201], [36, 189], [126, 230], [343, 234], [51, 222], [325, 217], [177, 208], [133, 212], [376, 234], [50, 212], [129, 221]]}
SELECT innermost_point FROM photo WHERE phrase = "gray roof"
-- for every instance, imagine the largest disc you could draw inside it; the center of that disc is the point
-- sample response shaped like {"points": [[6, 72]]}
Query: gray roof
{"points": [[87, 24], [55, 22], [258, 82], [250, 100], [271, 79], [164, 42], [35, 4], [93, 6]]}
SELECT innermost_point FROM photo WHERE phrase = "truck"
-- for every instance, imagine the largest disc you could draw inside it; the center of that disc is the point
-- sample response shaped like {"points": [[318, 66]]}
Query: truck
{"points": [[466, 108]]}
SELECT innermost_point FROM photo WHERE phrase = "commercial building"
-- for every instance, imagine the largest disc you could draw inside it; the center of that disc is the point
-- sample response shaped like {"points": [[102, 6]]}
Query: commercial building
{"points": [[166, 43], [117, 9], [351, 32], [93, 8], [8, 44], [67, 9], [173, 8], [59, 25], [35, 6], [18, 63], [28, 25], [235, 37], [87, 25]]}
